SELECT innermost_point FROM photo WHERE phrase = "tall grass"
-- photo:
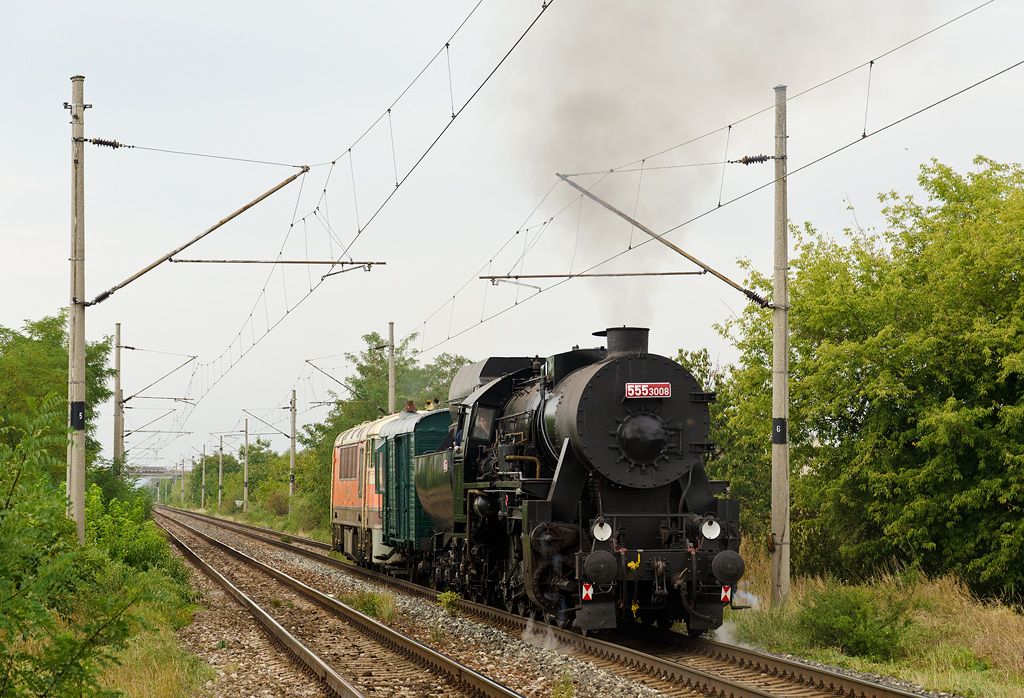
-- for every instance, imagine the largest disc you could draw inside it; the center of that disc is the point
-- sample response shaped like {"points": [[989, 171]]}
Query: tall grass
{"points": [[379, 605], [933, 632], [154, 665]]}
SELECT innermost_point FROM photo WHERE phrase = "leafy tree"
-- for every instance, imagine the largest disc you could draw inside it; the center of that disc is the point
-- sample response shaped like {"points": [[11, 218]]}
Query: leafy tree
{"points": [[362, 399], [432, 379], [194, 485], [740, 422], [366, 399], [113, 482], [67, 610], [34, 365], [907, 391]]}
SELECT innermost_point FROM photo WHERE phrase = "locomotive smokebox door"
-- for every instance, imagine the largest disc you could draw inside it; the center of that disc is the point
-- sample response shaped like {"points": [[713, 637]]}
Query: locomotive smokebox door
{"points": [[639, 419]]}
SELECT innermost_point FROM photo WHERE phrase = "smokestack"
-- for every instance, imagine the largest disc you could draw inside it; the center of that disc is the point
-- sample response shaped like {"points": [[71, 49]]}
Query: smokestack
{"points": [[625, 340]]}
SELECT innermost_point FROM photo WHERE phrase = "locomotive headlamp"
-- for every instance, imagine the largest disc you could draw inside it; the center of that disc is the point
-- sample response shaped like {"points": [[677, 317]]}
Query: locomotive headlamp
{"points": [[601, 531], [710, 529]]}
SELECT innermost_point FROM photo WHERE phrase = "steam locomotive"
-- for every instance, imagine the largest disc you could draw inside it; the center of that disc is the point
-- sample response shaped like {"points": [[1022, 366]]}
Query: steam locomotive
{"points": [[571, 489]]}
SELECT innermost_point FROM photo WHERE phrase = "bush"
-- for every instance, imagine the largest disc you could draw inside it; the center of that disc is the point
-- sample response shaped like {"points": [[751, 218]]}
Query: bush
{"points": [[123, 531], [307, 514], [852, 620], [277, 503], [372, 603], [947, 640], [59, 625], [448, 600]]}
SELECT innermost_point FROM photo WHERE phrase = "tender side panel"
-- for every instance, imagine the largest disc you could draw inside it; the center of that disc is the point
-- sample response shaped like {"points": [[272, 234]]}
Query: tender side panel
{"points": [[434, 487], [402, 458], [428, 436]]}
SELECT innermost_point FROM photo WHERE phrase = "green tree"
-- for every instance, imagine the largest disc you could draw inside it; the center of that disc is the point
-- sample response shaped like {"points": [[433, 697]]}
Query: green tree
{"points": [[365, 399], [907, 392], [34, 365], [365, 395], [431, 380], [740, 421], [194, 483]]}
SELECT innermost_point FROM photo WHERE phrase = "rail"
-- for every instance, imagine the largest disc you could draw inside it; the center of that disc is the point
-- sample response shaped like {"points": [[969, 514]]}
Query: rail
{"points": [[476, 683], [795, 672], [309, 659]]}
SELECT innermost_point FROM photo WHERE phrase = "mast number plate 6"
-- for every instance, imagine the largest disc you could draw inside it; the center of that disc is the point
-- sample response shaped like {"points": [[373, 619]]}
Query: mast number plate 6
{"points": [[634, 390]]}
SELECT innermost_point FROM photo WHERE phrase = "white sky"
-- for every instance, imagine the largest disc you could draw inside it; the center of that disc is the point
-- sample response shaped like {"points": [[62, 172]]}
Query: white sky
{"points": [[595, 84]]}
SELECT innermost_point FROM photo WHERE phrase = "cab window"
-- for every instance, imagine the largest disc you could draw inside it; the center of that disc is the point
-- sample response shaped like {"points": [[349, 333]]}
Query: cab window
{"points": [[348, 466], [483, 421]]}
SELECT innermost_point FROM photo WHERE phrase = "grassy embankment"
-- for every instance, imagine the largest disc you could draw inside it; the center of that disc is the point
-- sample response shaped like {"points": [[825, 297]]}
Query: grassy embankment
{"points": [[152, 664], [932, 632]]}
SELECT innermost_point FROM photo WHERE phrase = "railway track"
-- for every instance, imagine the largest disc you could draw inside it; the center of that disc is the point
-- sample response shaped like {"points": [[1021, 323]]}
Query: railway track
{"points": [[351, 653], [682, 665]]}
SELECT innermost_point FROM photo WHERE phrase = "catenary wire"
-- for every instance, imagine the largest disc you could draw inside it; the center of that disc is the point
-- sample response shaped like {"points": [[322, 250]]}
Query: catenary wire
{"points": [[807, 90], [811, 163]]}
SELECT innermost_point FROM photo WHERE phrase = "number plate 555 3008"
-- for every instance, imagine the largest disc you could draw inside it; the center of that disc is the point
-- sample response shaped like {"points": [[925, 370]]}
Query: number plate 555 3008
{"points": [[641, 390]]}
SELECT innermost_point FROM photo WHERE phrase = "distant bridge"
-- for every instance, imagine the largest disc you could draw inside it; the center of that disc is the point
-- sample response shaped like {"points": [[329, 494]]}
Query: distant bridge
{"points": [[154, 472]]}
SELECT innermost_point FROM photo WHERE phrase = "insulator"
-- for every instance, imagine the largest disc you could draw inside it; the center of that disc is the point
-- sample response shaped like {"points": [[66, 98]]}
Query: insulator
{"points": [[753, 159], [756, 298], [107, 143]]}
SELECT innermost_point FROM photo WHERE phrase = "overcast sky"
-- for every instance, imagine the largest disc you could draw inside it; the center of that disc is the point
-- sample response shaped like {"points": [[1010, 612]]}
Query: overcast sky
{"points": [[594, 85]]}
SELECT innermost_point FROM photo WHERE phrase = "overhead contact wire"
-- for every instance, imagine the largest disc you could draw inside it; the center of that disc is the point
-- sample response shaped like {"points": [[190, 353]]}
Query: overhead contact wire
{"points": [[816, 86], [363, 226], [805, 166]]}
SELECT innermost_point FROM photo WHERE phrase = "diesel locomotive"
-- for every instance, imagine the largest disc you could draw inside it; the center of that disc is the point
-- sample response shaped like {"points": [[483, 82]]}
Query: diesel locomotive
{"points": [[571, 489]]}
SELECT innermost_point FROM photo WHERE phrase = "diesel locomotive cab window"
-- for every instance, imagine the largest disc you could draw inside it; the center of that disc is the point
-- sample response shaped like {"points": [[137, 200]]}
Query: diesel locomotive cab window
{"points": [[347, 470], [482, 423]]}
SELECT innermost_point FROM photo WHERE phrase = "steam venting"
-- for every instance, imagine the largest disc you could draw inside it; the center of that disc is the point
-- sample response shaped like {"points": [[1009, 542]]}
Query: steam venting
{"points": [[626, 340]]}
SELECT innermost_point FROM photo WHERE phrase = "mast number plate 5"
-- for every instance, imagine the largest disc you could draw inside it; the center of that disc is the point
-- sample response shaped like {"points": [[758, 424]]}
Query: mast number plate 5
{"points": [[634, 390]]}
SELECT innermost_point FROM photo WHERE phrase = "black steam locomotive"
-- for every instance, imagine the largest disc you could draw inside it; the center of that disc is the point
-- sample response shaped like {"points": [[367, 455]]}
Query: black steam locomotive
{"points": [[573, 489]]}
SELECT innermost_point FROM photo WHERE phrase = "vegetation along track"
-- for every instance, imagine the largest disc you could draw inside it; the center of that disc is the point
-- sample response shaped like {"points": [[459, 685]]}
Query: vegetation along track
{"points": [[352, 653], [706, 666]]}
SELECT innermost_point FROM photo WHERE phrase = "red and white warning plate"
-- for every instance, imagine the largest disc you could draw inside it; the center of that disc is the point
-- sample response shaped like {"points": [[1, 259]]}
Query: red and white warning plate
{"points": [[588, 592], [726, 594]]}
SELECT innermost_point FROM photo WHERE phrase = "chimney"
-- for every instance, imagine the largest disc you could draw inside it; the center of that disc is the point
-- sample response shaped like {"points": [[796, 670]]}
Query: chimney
{"points": [[625, 340]]}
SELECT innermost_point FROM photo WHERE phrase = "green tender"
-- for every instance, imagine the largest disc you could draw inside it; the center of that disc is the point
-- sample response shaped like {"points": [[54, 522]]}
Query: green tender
{"points": [[405, 523]]}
